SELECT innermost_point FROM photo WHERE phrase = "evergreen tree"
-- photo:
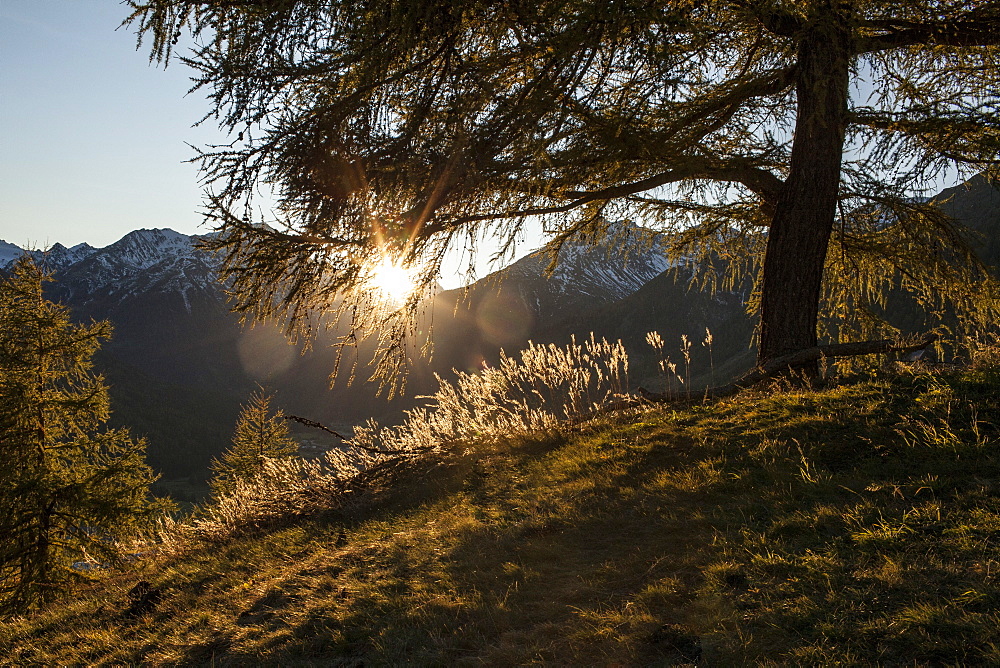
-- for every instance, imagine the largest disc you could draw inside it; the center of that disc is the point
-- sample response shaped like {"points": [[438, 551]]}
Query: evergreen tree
{"points": [[70, 489], [794, 136], [259, 435]]}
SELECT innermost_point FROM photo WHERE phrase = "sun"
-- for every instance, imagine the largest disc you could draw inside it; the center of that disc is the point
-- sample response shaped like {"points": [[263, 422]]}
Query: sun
{"points": [[394, 281]]}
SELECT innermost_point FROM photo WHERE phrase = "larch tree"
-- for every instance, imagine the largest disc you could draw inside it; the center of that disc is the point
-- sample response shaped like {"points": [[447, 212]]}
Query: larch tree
{"points": [[797, 139], [259, 435], [70, 488]]}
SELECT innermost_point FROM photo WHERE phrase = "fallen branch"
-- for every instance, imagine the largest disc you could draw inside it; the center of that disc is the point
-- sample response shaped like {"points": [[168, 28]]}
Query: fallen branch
{"points": [[319, 425], [316, 425], [780, 365]]}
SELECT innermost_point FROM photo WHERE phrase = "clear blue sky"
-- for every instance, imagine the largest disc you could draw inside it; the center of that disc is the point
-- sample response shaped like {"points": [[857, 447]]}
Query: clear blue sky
{"points": [[93, 137]]}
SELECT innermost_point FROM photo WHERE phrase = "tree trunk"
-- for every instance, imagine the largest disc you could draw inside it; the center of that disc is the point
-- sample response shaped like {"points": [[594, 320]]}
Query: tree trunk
{"points": [[804, 214]]}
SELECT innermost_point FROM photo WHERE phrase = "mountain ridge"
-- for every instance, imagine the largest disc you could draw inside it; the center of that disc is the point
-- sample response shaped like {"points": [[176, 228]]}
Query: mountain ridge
{"points": [[174, 331], [173, 327]]}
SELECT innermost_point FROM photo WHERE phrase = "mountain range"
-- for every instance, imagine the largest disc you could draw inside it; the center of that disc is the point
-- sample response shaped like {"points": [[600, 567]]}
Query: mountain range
{"points": [[180, 363]]}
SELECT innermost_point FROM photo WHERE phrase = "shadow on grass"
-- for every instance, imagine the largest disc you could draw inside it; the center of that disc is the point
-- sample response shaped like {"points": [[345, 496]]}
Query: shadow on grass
{"points": [[856, 525], [588, 558]]}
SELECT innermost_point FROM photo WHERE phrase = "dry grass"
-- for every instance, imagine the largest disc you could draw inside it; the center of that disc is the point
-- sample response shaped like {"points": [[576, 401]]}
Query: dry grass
{"points": [[537, 392]]}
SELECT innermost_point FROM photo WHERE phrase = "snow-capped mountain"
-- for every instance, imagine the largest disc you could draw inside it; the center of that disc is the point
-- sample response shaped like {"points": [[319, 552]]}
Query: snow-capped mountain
{"points": [[143, 249], [59, 257], [135, 251], [588, 272], [177, 349], [143, 261], [173, 362], [595, 270], [518, 303], [8, 253], [54, 258]]}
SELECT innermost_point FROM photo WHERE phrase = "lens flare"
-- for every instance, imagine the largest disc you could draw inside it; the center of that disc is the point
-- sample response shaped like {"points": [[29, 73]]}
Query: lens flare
{"points": [[394, 281]]}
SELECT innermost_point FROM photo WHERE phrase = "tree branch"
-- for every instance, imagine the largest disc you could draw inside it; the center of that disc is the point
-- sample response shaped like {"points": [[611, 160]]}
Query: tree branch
{"points": [[760, 181], [318, 425], [935, 124], [975, 30], [775, 20]]}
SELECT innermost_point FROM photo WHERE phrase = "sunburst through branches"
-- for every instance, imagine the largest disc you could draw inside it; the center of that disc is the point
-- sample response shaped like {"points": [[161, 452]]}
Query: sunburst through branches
{"points": [[393, 281]]}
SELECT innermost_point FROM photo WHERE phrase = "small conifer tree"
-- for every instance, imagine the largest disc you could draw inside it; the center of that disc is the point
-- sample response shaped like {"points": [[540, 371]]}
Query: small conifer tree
{"points": [[70, 488], [259, 435]]}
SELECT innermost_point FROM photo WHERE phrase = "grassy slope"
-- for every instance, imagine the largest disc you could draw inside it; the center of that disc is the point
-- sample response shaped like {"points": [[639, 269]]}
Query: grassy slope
{"points": [[859, 524]]}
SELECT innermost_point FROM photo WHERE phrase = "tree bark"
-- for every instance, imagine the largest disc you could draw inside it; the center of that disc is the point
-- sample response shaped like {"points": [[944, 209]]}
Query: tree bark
{"points": [[806, 208]]}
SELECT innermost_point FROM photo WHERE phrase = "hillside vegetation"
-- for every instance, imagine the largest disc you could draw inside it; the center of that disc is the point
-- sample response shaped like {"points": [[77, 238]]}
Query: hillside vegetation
{"points": [[853, 524]]}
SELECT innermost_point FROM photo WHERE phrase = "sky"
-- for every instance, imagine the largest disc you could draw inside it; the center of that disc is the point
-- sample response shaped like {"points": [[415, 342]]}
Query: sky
{"points": [[93, 138]]}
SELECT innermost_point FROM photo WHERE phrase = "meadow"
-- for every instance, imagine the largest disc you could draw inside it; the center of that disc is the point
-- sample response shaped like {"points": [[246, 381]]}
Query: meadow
{"points": [[855, 522]]}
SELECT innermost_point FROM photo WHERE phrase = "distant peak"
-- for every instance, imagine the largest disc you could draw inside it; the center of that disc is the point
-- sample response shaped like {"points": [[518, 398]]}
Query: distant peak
{"points": [[156, 232], [8, 252], [161, 237]]}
